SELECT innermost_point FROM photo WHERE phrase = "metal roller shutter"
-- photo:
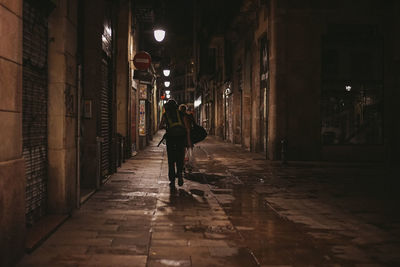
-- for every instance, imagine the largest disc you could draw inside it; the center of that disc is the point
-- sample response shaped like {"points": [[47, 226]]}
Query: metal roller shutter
{"points": [[34, 106], [105, 119]]}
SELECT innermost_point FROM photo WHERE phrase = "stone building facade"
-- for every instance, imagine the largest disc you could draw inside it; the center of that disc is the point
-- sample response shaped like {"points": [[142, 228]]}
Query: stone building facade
{"points": [[316, 80], [12, 182], [68, 107]]}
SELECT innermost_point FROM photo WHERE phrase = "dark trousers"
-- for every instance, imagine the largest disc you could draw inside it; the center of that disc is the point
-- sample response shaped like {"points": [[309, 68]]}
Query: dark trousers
{"points": [[176, 154]]}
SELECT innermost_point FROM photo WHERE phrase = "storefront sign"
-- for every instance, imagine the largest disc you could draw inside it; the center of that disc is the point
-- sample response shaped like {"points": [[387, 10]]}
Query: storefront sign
{"points": [[142, 91]]}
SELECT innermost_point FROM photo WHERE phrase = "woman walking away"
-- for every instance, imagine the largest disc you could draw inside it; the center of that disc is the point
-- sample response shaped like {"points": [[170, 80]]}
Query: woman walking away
{"points": [[178, 135]]}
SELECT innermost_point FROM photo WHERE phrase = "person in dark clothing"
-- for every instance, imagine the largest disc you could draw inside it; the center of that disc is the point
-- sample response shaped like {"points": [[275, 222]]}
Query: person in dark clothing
{"points": [[178, 135]]}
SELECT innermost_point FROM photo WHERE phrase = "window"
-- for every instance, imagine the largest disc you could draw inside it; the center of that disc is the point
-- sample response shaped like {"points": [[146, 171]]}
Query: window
{"points": [[352, 89]]}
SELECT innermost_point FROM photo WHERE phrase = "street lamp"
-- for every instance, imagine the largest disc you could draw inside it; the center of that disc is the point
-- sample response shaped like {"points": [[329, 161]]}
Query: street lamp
{"points": [[167, 83], [167, 92], [166, 72], [159, 35]]}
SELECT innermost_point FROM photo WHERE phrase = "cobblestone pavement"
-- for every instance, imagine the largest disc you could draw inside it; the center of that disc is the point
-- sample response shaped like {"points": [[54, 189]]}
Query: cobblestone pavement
{"points": [[235, 209]]}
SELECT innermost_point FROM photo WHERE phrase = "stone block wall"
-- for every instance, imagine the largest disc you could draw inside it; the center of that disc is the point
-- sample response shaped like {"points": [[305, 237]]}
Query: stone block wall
{"points": [[122, 69], [62, 107], [12, 176]]}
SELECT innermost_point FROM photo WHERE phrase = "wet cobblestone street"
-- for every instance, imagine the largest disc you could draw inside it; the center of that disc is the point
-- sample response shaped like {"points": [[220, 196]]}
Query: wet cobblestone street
{"points": [[234, 209]]}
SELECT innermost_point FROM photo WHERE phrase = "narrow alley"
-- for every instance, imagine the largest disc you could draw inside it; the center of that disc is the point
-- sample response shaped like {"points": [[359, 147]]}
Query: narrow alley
{"points": [[234, 209], [291, 106]]}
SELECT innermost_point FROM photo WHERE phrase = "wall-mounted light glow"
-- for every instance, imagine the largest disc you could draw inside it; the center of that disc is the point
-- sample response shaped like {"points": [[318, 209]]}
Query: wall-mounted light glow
{"points": [[167, 83], [168, 96], [197, 102], [108, 31], [159, 35], [167, 92], [165, 101], [166, 72], [107, 34], [348, 88]]}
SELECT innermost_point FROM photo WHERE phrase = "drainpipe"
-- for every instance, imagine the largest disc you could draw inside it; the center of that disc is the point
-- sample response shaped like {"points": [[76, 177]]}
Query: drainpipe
{"points": [[78, 138]]}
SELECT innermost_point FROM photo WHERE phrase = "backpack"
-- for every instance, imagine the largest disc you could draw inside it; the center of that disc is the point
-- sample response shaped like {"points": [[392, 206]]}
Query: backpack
{"points": [[175, 128], [197, 133]]}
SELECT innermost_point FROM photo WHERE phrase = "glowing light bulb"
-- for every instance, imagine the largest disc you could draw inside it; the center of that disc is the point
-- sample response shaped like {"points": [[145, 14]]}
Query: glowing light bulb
{"points": [[159, 35], [166, 72]]}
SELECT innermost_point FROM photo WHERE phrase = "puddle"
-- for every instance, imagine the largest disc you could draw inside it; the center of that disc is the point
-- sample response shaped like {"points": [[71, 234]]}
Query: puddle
{"points": [[166, 262], [270, 239]]}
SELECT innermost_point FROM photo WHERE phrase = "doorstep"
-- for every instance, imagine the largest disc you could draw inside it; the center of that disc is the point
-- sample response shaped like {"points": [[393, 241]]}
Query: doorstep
{"points": [[41, 230]]}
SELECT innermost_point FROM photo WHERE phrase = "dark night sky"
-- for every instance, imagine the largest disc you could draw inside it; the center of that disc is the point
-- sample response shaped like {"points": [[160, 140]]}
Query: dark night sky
{"points": [[176, 16], [179, 16], [178, 21]]}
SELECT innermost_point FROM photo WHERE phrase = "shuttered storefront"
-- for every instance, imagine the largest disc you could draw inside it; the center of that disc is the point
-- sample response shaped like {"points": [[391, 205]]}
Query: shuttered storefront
{"points": [[34, 108], [105, 129], [105, 107]]}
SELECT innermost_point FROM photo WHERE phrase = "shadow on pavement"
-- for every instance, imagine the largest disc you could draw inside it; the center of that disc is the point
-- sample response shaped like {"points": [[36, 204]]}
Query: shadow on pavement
{"points": [[204, 178]]}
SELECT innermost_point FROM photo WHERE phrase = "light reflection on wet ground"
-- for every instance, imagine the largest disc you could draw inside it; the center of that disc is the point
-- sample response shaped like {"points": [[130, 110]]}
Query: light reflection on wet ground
{"points": [[304, 215], [271, 239], [204, 224], [235, 209]]}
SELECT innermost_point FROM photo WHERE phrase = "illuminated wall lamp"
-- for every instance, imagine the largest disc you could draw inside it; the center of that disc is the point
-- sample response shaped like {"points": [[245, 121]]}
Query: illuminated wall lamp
{"points": [[159, 35], [167, 83], [166, 72]]}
